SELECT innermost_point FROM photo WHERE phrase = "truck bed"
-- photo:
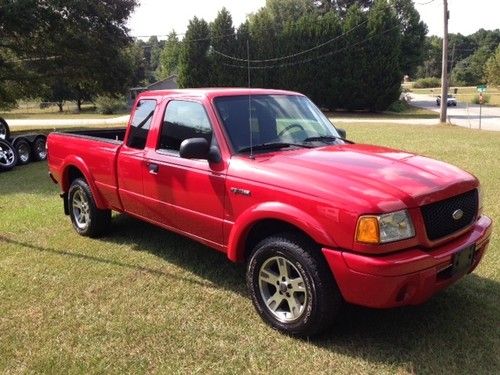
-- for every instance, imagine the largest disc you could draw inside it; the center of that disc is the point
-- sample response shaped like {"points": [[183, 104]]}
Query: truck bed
{"points": [[91, 151], [115, 135]]}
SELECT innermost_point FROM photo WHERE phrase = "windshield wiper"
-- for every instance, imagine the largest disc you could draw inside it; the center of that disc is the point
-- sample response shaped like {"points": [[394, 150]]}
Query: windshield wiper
{"points": [[325, 139], [272, 146]]}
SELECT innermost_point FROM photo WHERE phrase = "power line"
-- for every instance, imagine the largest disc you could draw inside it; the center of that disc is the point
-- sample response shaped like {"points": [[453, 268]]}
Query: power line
{"points": [[425, 3], [294, 54], [311, 58]]}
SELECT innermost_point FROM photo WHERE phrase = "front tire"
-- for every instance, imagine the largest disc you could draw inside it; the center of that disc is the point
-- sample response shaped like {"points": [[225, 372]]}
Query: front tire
{"points": [[291, 286], [87, 219]]}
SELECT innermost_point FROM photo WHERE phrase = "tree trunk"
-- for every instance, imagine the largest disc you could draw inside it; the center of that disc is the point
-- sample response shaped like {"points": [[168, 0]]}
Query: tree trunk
{"points": [[60, 105], [79, 104]]}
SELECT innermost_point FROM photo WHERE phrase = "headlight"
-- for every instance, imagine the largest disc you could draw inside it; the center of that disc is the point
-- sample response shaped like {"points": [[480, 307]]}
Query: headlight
{"points": [[374, 229]]}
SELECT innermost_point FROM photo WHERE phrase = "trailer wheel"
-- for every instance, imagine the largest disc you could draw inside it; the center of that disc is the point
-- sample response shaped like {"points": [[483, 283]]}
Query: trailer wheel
{"points": [[8, 156], [39, 149], [4, 130], [23, 150]]}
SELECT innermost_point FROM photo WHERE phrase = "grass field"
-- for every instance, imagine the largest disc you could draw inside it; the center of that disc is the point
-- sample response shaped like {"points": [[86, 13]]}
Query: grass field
{"points": [[465, 94], [32, 110], [410, 112], [143, 300]]}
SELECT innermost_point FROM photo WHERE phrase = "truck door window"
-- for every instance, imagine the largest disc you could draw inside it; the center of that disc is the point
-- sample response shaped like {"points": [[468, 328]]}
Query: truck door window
{"points": [[184, 120], [140, 124]]}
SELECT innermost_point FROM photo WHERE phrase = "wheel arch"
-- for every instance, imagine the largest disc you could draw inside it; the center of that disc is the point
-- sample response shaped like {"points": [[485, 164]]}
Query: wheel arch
{"points": [[271, 218], [75, 167]]}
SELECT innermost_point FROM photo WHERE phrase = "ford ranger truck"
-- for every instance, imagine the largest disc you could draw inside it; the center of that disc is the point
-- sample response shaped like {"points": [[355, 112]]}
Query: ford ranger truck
{"points": [[264, 177]]}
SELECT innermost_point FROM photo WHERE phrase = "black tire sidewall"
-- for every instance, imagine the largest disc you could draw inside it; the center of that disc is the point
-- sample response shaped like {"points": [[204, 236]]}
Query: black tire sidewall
{"points": [[35, 155], [30, 155], [7, 133], [307, 265], [4, 167], [76, 185]]}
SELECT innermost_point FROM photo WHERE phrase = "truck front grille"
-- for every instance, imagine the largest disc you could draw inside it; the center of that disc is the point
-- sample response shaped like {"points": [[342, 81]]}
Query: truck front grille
{"points": [[441, 218]]}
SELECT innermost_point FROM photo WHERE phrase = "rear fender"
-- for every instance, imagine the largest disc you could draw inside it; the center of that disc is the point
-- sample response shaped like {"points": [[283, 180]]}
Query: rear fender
{"points": [[277, 211], [78, 163]]}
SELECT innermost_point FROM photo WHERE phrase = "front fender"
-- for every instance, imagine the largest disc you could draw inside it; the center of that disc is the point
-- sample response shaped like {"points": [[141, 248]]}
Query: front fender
{"points": [[277, 211], [78, 163]]}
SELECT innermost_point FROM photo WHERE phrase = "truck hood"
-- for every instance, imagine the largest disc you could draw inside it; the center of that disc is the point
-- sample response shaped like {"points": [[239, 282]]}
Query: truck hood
{"points": [[381, 178]]}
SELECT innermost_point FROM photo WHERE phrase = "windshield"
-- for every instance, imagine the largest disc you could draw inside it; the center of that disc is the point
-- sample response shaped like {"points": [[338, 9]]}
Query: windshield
{"points": [[275, 120]]}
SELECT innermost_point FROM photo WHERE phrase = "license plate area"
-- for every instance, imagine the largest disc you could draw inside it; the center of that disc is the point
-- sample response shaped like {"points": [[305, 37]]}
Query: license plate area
{"points": [[462, 260]]}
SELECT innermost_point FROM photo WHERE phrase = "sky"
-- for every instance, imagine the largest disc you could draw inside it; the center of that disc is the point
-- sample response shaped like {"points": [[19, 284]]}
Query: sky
{"points": [[159, 17]]}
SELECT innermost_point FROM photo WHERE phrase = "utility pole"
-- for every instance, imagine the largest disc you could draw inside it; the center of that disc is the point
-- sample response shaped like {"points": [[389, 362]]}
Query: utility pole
{"points": [[444, 68]]}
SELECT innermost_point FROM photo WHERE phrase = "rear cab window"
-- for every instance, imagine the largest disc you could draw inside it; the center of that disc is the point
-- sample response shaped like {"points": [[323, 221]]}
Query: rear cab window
{"points": [[183, 120], [141, 123]]}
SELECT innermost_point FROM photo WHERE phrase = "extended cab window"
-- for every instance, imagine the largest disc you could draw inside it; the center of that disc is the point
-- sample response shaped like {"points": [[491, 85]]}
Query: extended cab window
{"points": [[140, 124], [184, 120]]}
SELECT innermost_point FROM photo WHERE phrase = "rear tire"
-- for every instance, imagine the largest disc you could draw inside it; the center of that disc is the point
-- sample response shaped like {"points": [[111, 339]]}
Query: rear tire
{"points": [[8, 156], [39, 150], [87, 219], [4, 130], [291, 286], [23, 150]]}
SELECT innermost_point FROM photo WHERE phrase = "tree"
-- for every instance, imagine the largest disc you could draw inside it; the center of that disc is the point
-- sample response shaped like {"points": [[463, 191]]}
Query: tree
{"points": [[81, 44], [139, 66], [413, 35], [492, 70], [194, 63], [223, 39], [287, 11], [355, 63], [152, 55], [460, 50], [470, 71], [341, 6], [170, 56], [383, 72]]}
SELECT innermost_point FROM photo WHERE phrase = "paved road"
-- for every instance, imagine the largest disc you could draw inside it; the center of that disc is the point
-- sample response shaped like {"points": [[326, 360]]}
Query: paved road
{"points": [[466, 115], [462, 115]]}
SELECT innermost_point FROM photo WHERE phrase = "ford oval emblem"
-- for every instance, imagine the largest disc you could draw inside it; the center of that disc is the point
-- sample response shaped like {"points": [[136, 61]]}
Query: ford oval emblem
{"points": [[457, 214]]}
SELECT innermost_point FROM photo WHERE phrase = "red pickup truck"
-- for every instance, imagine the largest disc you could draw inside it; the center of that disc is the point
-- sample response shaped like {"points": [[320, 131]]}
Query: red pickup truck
{"points": [[264, 177]]}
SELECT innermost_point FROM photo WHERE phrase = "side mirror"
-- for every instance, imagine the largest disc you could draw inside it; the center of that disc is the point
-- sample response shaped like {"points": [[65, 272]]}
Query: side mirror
{"points": [[198, 148], [342, 132]]}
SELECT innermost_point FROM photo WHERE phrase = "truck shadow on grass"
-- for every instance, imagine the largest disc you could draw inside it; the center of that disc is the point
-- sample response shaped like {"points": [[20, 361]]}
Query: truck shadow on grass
{"points": [[458, 328], [206, 263], [456, 332]]}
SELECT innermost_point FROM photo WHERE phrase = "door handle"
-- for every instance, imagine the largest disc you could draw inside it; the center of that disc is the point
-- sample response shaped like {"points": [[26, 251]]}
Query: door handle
{"points": [[153, 168]]}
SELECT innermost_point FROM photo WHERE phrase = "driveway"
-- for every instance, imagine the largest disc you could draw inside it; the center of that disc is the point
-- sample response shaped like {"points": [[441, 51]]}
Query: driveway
{"points": [[464, 114]]}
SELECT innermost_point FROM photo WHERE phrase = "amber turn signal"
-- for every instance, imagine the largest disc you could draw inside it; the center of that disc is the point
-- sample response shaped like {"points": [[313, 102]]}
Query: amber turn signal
{"points": [[367, 230]]}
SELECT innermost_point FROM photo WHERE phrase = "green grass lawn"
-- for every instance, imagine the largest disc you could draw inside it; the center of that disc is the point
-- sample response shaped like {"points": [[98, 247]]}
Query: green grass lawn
{"points": [[32, 110], [143, 300], [410, 112]]}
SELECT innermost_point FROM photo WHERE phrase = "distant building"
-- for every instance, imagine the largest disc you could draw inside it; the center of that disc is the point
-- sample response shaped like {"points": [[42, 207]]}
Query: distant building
{"points": [[168, 83]]}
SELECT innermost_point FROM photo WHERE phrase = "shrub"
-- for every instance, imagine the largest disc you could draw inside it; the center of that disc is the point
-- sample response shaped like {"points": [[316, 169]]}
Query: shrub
{"points": [[398, 106], [108, 105], [475, 99], [428, 82]]}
